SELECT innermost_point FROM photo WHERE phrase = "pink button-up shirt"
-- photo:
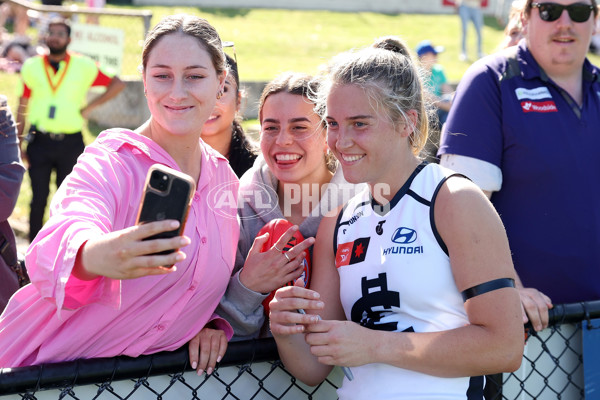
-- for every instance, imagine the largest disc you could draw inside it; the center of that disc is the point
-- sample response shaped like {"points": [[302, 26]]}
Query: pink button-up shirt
{"points": [[59, 317]]}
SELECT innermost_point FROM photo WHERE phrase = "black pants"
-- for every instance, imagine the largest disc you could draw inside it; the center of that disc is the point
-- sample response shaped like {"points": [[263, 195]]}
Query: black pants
{"points": [[46, 154]]}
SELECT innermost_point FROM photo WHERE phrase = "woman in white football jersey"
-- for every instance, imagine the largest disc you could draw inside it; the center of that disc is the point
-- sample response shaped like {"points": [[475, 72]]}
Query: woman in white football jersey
{"points": [[413, 283]]}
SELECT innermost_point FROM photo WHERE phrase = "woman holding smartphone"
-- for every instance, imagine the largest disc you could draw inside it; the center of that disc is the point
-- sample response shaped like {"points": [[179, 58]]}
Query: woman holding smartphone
{"points": [[296, 179], [99, 289], [412, 280]]}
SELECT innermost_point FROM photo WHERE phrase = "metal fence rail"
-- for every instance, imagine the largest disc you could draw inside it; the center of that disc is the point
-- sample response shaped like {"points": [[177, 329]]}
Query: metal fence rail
{"points": [[553, 368], [553, 360]]}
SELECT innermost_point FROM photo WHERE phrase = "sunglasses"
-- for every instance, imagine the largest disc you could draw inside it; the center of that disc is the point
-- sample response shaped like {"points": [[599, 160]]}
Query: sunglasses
{"points": [[232, 45], [578, 12]]}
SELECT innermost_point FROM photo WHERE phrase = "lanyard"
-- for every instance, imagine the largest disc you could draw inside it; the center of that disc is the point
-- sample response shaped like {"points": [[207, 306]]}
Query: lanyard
{"points": [[48, 67]]}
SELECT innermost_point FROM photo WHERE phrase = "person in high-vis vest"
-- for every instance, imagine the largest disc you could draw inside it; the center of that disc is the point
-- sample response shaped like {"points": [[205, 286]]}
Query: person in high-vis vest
{"points": [[53, 91]]}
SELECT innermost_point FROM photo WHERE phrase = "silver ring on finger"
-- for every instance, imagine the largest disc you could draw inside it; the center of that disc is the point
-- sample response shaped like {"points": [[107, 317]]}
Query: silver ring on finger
{"points": [[279, 250], [288, 257]]}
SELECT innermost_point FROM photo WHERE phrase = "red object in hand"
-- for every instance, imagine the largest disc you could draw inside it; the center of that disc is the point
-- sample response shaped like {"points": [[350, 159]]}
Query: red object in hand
{"points": [[276, 228]]}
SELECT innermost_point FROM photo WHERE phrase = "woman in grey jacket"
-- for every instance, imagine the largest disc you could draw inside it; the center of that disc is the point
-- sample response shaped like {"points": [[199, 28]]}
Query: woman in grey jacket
{"points": [[295, 178]]}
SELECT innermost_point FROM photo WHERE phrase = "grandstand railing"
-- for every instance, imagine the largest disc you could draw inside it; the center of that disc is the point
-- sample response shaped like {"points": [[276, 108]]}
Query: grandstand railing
{"points": [[561, 362]]}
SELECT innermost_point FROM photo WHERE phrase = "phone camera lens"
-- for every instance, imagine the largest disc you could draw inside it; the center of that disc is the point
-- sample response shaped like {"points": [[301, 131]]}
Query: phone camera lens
{"points": [[159, 181]]}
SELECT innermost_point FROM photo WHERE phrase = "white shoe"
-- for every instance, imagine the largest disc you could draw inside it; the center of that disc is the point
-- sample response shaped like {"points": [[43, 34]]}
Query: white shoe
{"points": [[462, 57]]}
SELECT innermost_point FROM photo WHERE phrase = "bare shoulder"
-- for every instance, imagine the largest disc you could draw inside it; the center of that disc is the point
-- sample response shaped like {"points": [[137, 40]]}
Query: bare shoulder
{"points": [[460, 198], [473, 232], [328, 222]]}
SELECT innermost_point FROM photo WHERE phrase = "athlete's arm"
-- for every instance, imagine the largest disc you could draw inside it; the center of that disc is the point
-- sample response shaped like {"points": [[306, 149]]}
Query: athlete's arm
{"points": [[284, 319], [489, 178], [491, 343], [479, 253]]}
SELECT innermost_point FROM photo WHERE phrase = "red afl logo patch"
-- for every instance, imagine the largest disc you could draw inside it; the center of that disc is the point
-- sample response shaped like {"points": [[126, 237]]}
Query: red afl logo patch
{"points": [[539, 106], [344, 252]]}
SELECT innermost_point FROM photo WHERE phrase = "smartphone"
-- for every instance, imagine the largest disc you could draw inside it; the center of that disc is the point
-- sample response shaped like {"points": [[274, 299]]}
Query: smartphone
{"points": [[167, 195]]}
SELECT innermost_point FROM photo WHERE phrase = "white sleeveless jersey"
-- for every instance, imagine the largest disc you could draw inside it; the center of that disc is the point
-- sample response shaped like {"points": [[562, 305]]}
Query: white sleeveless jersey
{"points": [[395, 276]]}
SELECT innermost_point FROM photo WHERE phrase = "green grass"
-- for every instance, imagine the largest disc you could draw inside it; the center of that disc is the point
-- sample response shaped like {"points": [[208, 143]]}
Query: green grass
{"points": [[272, 41], [268, 42]]}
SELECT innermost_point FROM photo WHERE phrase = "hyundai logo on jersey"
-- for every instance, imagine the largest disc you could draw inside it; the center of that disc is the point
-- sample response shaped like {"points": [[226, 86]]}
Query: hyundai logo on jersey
{"points": [[404, 235]]}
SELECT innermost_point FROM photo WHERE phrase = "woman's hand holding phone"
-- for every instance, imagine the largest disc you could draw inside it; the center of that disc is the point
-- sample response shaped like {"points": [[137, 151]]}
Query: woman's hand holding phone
{"points": [[151, 247], [127, 254]]}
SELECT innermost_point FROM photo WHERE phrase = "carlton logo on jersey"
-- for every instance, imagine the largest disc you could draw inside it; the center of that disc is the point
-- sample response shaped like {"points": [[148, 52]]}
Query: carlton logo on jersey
{"points": [[403, 235], [352, 252]]}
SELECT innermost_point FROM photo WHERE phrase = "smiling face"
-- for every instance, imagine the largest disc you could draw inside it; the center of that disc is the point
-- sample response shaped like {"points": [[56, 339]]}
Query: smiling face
{"points": [[221, 119], [370, 147], [292, 139], [181, 90], [558, 46]]}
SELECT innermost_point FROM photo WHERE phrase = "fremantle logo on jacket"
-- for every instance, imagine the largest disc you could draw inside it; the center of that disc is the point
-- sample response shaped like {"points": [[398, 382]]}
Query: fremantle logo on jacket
{"points": [[531, 100]]}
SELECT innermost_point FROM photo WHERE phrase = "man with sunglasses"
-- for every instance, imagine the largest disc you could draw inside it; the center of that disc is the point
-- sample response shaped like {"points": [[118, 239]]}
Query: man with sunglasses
{"points": [[525, 126]]}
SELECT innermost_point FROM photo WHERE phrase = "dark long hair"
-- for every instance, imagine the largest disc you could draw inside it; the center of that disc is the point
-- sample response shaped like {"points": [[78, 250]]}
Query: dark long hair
{"points": [[242, 150]]}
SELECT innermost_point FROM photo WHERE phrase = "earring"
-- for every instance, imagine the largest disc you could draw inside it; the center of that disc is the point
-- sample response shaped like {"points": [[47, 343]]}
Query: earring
{"points": [[145, 92], [219, 94]]}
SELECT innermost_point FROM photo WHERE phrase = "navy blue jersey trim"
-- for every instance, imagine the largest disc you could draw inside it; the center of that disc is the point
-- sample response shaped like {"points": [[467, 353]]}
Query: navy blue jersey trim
{"points": [[437, 235], [337, 227], [364, 203], [475, 390], [418, 198], [383, 210]]}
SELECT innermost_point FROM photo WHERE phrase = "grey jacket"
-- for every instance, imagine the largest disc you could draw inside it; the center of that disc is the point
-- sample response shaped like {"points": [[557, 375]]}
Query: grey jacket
{"points": [[259, 204]]}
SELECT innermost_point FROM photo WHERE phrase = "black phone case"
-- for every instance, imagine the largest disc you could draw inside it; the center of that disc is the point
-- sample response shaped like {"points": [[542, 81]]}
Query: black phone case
{"points": [[172, 204]]}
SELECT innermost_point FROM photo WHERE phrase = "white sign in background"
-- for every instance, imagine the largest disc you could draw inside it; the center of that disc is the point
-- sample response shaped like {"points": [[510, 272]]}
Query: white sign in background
{"points": [[102, 44]]}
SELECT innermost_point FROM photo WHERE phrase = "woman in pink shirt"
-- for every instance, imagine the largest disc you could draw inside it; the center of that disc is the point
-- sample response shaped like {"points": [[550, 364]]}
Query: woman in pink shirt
{"points": [[96, 289]]}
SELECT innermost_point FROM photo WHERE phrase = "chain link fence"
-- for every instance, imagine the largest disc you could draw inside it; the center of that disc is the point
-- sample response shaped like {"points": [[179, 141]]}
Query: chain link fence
{"points": [[552, 368]]}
